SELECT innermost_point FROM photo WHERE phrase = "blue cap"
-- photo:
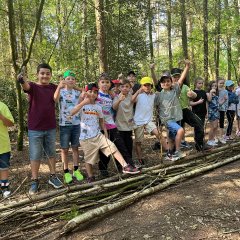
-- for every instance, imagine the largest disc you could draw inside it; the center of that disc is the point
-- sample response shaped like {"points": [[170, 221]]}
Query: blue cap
{"points": [[229, 83]]}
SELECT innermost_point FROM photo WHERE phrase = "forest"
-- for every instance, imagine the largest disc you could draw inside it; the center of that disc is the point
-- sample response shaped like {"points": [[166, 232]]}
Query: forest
{"points": [[115, 36]]}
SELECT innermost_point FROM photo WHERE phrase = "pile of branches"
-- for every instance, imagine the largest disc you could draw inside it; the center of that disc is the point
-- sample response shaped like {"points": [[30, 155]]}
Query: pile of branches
{"points": [[77, 205]]}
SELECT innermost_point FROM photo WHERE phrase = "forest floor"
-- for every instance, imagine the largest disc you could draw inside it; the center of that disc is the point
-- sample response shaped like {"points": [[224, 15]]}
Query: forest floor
{"points": [[204, 207]]}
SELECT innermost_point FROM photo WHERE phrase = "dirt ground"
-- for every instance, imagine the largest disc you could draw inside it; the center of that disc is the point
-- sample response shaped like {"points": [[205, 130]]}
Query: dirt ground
{"points": [[205, 207]]}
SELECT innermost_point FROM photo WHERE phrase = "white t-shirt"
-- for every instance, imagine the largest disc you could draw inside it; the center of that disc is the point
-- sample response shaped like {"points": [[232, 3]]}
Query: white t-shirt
{"points": [[124, 117], [90, 115], [144, 108], [67, 101]]}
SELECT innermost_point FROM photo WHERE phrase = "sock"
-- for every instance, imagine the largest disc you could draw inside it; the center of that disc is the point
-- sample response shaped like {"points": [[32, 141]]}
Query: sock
{"points": [[75, 168], [66, 170], [4, 184]]}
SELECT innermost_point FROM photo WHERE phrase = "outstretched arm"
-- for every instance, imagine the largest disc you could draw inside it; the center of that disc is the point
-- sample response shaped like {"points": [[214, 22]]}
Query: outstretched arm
{"points": [[22, 79], [57, 92], [184, 73]]}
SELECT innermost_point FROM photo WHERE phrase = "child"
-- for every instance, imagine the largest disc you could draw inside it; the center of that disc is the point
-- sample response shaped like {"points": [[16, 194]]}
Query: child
{"points": [[124, 118], [131, 77], [223, 98], [170, 111], [105, 100], [116, 87], [69, 128], [6, 120], [91, 138], [238, 110], [41, 124], [143, 115], [232, 101]]}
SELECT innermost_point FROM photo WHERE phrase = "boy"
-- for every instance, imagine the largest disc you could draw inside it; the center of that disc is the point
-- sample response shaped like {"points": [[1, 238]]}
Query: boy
{"points": [[68, 98], [124, 118], [170, 111], [91, 138], [6, 120], [131, 77], [41, 124], [144, 99]]}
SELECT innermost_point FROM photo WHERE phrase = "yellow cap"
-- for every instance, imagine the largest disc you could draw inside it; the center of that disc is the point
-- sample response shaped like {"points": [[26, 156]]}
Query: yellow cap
{"points": [[146, 80]]}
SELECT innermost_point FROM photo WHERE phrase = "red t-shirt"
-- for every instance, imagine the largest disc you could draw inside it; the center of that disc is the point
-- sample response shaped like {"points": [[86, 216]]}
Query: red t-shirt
{"points": [[41, 112]]}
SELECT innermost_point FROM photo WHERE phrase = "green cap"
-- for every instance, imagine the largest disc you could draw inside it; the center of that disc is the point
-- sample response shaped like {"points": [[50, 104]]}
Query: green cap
{"points": [[69, 73]]}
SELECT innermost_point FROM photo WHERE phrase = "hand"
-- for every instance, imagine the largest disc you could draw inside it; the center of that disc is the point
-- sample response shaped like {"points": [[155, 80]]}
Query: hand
{"points": [[213, 91], [152, 65], [187, 62], [140, 90], [200, 100], [62, 84], [225, 97], [121, 97]]}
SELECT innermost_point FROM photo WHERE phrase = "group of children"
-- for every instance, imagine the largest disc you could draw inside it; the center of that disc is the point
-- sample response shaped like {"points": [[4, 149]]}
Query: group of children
{"points": [[103, 116]]}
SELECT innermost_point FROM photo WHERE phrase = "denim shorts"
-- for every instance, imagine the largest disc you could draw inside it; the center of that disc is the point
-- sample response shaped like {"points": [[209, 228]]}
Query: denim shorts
{"points": [[42, 144], [4, 161], [69, 134], [173, 128]]}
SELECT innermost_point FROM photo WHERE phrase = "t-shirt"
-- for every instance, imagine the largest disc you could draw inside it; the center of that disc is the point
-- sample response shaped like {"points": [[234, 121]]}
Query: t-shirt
{"points": [[4, 136], [168, 104], [144, 108], [200, 109], [221, 94], [90, 115], [105, 101], [41, 112], [124, 116], [238, 105], [184, 99], [67, 101]]}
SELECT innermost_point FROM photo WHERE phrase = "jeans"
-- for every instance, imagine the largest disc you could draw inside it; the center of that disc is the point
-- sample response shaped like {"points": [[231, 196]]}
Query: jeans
{"points": [[230, 118]]}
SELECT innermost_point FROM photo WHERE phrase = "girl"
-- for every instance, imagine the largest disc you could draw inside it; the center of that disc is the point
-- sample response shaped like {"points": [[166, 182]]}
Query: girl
{"points": [[232, 101], [223, 106], [213, 112]]}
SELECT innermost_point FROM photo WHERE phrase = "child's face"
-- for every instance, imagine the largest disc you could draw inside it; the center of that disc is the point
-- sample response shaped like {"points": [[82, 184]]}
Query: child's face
{"points": [[70, 81], [131, 78], [125, 88], [166, 83], [92, 94], [104, 85], [147, 87], [230, 88], [214, 86], [44, 76], [199, 85], [176, 77], [221, 84]]}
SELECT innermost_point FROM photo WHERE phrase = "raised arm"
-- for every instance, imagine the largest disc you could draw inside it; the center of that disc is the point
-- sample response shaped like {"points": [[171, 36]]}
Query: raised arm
{"points": [[22, 79], [184, 73], [77, 108], [121, 98], [134, 97], [61, 85]]}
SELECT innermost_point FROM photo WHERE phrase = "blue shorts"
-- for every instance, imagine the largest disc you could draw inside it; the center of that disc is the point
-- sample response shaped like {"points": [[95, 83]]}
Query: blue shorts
{"points": [[42, 144], [4, 161], [173, 128], [69, 134]]}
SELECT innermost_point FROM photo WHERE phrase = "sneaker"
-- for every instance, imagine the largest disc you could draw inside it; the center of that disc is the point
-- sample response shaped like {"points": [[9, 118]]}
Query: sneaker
{"points": [[55, 182], [129, 169], [6, 192], [211, 143], [222, 140], [34, 187], [171, 157], [91, 179], [78, 175], [205, 147], [184, 144], [179, 154], [216, 140], [67, 178], [141, 162]]}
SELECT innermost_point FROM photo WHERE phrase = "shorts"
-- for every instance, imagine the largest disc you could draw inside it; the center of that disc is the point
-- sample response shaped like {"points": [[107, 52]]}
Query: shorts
{"points": [[139, 131], [42, 144], [173, 128], [69, 134], [92, 146], [5, 161]]}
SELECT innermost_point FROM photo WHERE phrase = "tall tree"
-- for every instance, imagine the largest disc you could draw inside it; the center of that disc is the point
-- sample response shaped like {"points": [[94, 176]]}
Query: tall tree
{"points": [[100, 23], [150, 29], [205, 40], [169, 31], [184, 29], [15, 60], [237, 19]]}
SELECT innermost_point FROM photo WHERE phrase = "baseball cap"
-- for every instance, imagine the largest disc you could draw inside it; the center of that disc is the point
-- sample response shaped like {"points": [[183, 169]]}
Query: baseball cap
{"points": [[176, 71], [146, 80], [91, 86], [131, 72], [165, 75], [229, 83], [69, 73], [116, 81]]}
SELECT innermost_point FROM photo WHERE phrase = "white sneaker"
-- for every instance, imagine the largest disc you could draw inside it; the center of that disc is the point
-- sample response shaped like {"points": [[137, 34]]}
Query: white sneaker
{"points": [[211, 143], [216, 140], [222, 140]]}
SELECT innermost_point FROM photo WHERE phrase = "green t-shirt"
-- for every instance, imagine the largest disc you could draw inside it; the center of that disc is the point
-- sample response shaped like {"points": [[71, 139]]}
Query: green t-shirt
{"points": [[4, 137], [184, 99]]}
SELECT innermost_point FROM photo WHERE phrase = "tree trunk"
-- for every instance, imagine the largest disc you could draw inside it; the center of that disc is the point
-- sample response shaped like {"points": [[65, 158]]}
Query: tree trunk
{"points": [[237, 9], [99, 13], [192, 50], [85, 26], [150, 30], [169, 29], [16, 67], [184, 29], [205, 40], [217, 37]]}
